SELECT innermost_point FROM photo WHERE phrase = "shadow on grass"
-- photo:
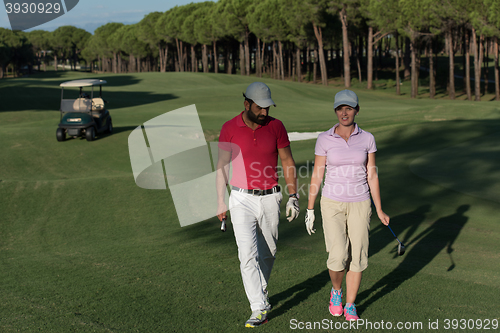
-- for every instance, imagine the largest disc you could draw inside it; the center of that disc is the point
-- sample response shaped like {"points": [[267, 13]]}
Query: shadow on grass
{"points": [[27, 94], [300, 292], [423, 249], [380, 236], [120, 129]]}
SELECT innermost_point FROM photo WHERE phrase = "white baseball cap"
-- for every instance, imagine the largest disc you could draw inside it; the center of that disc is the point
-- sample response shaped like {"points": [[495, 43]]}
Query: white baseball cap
{"points": [[346, 97], [259, 93]]}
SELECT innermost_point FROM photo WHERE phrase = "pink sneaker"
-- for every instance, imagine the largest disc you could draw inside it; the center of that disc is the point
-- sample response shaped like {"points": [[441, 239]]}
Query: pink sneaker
{"points": [[350, 312], [336, 303]]}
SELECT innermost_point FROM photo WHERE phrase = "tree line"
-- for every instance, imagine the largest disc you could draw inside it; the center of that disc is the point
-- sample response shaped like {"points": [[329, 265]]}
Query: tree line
{"points": [[284, 39]]}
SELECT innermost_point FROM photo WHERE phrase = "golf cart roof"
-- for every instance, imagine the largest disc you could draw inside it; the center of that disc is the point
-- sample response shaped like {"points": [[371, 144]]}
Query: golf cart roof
{"points": [[83, 83]]}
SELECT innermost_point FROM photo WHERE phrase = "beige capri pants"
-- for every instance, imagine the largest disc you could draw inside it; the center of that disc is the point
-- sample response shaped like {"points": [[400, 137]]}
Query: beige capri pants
{"points": [[346, 226]]}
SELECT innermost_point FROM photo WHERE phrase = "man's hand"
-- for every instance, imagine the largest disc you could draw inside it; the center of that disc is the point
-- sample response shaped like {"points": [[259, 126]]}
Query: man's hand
{"points": [[310, 222], [221, 211], [292, 209]]}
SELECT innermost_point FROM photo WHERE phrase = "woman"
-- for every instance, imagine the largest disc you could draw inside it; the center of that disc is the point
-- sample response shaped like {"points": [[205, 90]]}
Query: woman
{"points": [[348, 153]]}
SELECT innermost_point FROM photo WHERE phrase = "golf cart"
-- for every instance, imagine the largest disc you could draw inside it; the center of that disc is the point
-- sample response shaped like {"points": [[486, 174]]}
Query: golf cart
{"points": [[85, 115]]}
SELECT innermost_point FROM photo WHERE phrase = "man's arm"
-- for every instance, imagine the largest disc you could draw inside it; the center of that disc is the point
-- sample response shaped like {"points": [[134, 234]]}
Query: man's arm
{"points": [[222, 179], [289, 170]]}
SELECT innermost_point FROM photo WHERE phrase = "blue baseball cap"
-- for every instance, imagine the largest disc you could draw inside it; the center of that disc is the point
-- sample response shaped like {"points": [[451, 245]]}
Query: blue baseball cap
{"points": [[345, 97]]}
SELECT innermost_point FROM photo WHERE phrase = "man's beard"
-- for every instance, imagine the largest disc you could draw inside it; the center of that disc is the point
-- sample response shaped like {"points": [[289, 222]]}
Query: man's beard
{"points": [[253, 118]]}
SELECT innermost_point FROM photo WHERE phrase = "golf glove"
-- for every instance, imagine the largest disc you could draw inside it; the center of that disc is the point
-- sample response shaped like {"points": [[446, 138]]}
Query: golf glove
{"points": [[292, 209], [310, 222]]}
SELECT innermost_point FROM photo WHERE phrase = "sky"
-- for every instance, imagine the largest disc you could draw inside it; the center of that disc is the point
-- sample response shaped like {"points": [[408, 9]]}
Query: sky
{"points": [[91, 14]]}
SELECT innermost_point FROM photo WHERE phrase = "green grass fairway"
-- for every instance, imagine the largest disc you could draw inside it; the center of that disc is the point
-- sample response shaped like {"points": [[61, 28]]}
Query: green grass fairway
{"points": [[83, 249]]}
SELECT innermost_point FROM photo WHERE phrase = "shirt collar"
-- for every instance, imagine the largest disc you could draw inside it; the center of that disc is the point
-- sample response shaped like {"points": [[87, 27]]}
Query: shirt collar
{"points": [[331, 131]]}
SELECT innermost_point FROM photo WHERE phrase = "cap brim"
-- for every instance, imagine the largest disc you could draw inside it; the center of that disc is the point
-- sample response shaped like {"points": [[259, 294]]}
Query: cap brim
{"points": [[264, 103], [350, 103]]}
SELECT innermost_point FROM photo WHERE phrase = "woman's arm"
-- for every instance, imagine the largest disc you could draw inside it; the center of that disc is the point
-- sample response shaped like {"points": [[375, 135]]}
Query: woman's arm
{"points": [[316, 179], [373, 183]]}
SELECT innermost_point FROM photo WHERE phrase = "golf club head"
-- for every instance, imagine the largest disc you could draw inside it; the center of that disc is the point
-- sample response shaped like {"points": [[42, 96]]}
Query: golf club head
{"points": [[223, 225], [401, 249]]}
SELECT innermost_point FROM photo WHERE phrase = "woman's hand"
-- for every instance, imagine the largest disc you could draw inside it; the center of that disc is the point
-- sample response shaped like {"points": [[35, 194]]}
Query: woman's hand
{"points": [[384, 218]]}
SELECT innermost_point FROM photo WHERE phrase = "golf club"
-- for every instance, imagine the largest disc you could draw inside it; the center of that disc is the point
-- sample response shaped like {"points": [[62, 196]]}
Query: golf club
{"points": [[401, 247], [223, 225]]}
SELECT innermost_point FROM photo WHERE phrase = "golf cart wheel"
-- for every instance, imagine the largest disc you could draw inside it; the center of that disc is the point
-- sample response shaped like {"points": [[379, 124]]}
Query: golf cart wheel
{"points": [[110, 126], [90, 134], [61, 135]]}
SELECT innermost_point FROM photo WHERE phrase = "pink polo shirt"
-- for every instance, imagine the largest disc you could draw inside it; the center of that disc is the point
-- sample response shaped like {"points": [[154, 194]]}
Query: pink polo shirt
{"points": [[254, 153], [346, 176]]}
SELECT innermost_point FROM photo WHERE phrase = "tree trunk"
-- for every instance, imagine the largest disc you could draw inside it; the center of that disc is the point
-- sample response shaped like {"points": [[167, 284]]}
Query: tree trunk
{"points": [[242, 59], [131, 63], [258, 65], [432, 79], [161, 55], [288, 55], [359, 49], [180, 54], [467, 66], [480, 61], [407, 58], [114, 63], [216, 57], [55, 62], [262, 59], [369, 60], [322, 64], [204, 58], [414, 69], [345, 42], [451, 71], [485, 64], [315, 65], [307, 55], [274, 71], [247, 51], [282, 67], [229, 69], [184, 57], [193, 59], [119, 64], [497, 82], [477, 67], [298, 65], [398, 78]]}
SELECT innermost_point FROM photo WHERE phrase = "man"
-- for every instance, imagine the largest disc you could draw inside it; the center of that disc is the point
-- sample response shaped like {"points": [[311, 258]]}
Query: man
{"points": [[252, 141]]}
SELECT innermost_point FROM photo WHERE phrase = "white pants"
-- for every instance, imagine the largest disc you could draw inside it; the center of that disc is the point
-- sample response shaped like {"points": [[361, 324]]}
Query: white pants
{"points": [[255, 222]]}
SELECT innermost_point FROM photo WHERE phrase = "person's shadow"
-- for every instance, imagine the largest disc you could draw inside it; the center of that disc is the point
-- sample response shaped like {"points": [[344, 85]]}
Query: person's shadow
{"points": [[300, 293], [380, 236], [421, 250]]}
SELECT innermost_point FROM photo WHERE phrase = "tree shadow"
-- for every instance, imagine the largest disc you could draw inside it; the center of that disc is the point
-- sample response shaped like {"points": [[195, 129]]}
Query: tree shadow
{"points": [[28, 94], [120, 129], [300, 292], [423, 249]]}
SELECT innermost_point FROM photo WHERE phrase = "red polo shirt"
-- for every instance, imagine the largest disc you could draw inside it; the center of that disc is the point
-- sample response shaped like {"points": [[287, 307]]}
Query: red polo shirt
{"points": [[254, 153]]}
